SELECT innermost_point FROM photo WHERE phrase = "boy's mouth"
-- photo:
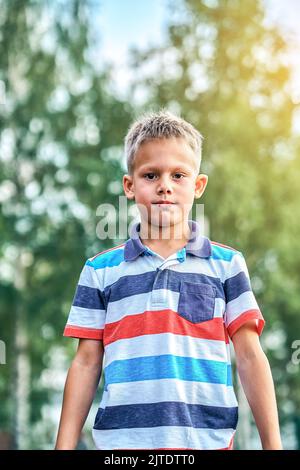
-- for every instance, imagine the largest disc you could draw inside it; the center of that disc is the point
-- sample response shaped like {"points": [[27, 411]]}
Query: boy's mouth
{"points": [[163, 202]]}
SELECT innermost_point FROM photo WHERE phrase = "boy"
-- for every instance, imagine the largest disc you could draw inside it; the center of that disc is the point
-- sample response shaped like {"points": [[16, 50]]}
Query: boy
{"points": [[162, 307]]}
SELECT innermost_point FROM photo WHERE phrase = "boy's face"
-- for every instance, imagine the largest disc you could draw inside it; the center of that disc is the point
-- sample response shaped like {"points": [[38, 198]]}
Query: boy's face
{"points": [[164, 170]]}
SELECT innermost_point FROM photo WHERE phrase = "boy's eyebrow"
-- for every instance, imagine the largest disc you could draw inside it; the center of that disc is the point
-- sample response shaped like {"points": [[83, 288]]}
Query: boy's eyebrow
{"points": [[176, 168]]}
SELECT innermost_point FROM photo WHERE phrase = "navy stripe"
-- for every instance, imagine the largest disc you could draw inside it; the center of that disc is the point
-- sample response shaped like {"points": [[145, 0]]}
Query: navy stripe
{"points": [[88, 297], [166, 279], [166, 414], [126, 286], [236, 285]]}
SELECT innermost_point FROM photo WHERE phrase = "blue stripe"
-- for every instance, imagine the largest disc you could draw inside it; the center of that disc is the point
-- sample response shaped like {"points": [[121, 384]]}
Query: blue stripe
{"points": [[236, 285], [166, 414], [167, 367], [181, 256], [229, 375], [222, 253], [88, 297], [107, 260], [167, 279]]}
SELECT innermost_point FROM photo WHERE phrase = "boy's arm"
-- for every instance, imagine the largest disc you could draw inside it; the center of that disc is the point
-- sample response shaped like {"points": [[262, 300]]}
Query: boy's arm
{"points": [[256, 378], [81, 384]]}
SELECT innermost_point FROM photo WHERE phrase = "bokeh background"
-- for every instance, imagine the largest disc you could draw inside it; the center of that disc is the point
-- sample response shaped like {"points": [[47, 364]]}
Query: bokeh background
{"points": [[73, 75]]}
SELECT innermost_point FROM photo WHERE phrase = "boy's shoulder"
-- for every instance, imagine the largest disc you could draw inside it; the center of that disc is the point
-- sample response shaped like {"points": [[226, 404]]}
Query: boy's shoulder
{"points": [[107, 258], [227, 261], [220, 251]]}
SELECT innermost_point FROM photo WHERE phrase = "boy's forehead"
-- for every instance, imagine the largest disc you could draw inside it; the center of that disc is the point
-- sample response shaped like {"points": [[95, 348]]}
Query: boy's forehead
{"points": [[166, 165], [173, 152]]}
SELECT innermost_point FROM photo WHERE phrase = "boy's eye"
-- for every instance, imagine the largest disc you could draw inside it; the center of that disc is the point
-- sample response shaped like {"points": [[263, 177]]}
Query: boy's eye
{"points": [[178, 176], [151, 176]]}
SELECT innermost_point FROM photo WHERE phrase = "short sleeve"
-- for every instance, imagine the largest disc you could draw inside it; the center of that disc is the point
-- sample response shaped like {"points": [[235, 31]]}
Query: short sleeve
{"points": [[87, 315], [241, 305]]}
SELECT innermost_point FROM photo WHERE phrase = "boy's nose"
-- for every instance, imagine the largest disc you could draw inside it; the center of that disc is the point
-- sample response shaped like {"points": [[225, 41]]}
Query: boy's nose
{"points": [[164, 186]]}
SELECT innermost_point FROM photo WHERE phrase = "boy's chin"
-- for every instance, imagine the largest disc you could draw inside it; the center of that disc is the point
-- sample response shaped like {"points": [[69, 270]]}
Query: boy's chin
{"points": [[165, 221]]}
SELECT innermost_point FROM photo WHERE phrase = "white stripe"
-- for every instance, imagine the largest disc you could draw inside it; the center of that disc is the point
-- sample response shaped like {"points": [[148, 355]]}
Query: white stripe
{"points": [[211, 438], [139, 303], [88, 277], [165, 343], [88, 318], [238, 306], [163, 437], [238, 264], [213, 268], [219, 308], [140, 266], [218, 269], [155, 391]]}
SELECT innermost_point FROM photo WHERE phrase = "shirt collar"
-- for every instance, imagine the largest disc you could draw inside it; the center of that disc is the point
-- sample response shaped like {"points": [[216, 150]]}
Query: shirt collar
{"points": [[198, 245]]}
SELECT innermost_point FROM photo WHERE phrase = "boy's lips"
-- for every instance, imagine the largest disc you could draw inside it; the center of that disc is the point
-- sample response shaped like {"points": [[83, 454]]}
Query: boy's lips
{"points": [[163, 202]]}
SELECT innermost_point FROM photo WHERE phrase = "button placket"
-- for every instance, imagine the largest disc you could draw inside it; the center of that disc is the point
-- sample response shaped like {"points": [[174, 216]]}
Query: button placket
{"points": [[159, 296]]}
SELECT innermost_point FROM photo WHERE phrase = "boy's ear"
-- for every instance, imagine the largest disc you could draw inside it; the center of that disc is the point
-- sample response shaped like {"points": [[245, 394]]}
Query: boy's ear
{"points": [[200, 185], [128, 186]]}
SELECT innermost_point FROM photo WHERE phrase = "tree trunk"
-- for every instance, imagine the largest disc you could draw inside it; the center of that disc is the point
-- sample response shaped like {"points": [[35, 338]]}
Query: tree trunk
{"points": [[21, 364]]}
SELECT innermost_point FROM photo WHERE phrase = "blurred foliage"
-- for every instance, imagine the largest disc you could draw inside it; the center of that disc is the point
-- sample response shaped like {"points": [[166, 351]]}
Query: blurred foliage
{"points": [[225, 71], [57, 124]]}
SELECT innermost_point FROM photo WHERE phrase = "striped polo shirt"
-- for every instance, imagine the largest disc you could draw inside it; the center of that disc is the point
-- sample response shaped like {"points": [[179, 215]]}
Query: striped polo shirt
{"points": [[165, 324]]}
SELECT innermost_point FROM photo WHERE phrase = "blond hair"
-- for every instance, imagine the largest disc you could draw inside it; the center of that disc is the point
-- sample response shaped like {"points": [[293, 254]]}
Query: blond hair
{"points": [[158, 125]]}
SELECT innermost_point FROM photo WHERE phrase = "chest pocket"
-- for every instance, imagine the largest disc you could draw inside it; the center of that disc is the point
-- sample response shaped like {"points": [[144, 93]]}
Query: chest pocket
{"points": [[196, 302]]}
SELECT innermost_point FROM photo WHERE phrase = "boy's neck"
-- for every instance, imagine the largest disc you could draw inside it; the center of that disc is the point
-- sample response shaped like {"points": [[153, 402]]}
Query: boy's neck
{"points": [[165, 240]]}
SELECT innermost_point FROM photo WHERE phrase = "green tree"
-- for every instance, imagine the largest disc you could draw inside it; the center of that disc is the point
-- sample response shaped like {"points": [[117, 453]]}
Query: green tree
{"points": [[60, 136]]}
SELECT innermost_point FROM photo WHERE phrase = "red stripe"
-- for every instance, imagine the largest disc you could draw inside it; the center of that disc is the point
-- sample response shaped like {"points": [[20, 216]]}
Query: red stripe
{"points": [[163, 321], [82, 332], [105, 251], [243, 318], [224, 246]]}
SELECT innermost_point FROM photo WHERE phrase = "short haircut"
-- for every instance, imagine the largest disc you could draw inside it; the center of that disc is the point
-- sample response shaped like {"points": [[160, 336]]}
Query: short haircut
{"points": [[159, 125]]}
